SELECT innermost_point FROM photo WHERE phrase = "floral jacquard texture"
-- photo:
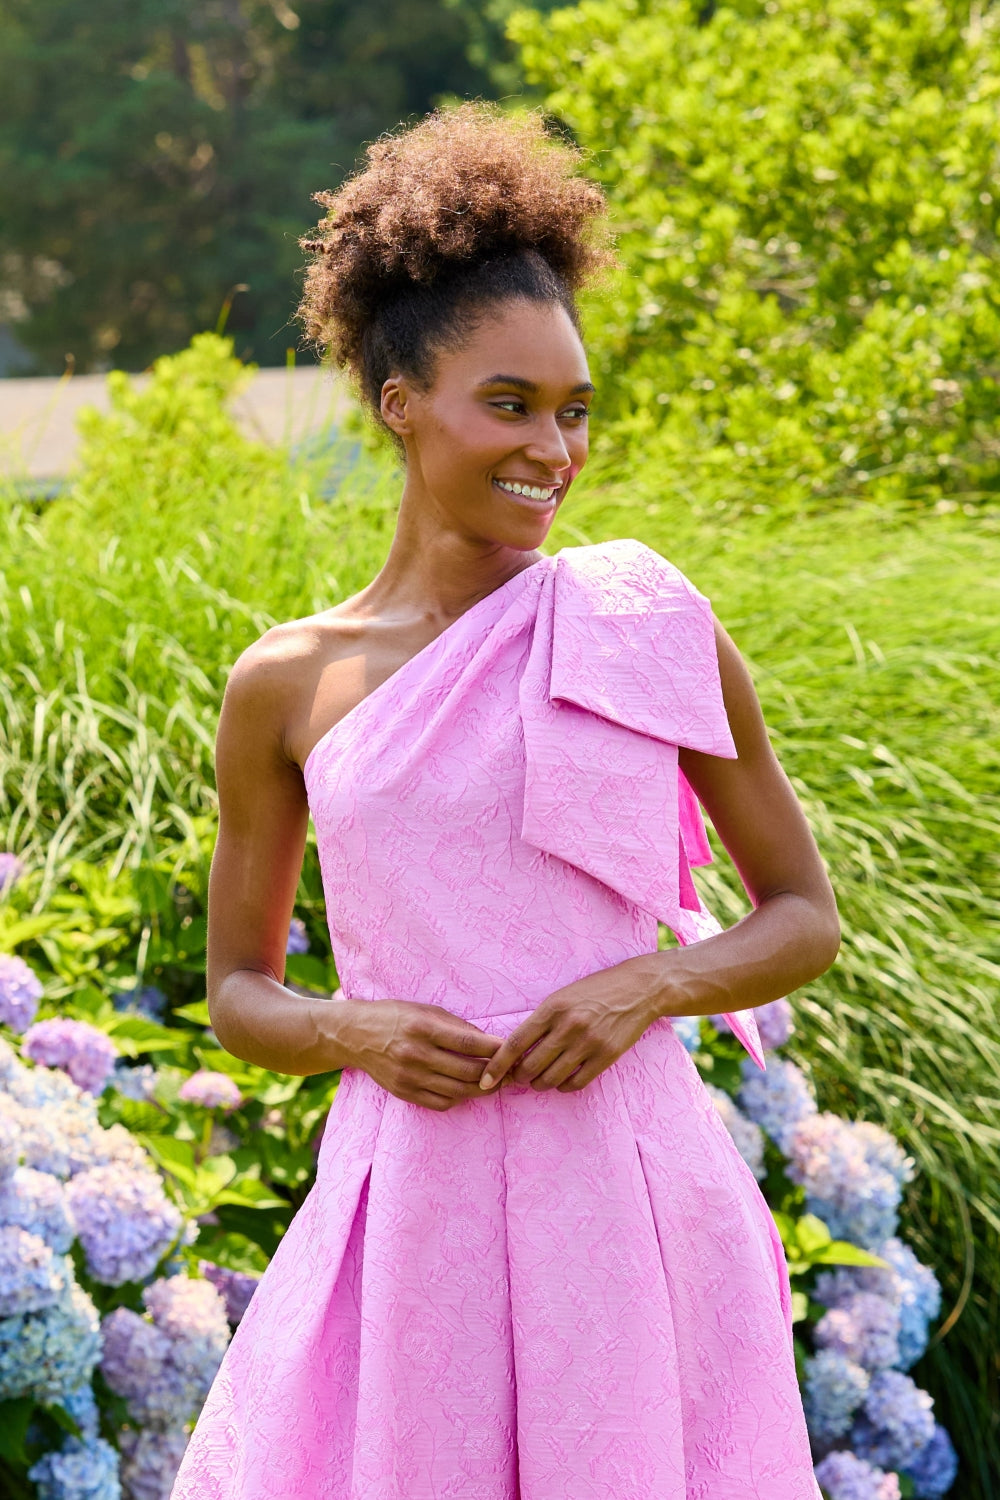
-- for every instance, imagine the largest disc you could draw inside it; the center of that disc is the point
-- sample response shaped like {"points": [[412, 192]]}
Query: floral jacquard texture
{"points": [[530, 1296]]}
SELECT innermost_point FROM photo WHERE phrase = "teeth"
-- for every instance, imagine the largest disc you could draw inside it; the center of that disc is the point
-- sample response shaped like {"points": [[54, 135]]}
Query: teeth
{"points": [[531, 491]]}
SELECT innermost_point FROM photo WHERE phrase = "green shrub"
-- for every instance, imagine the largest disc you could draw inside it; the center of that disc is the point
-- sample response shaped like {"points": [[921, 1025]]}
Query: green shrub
{"points": [[807, 203]]}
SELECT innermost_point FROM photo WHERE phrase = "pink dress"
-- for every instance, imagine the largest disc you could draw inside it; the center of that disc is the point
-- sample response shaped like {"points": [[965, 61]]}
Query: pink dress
{"points": [[529, 1296]]}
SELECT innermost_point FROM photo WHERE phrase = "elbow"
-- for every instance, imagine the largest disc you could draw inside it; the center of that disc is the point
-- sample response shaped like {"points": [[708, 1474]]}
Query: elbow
{"points": [[827, 935]]}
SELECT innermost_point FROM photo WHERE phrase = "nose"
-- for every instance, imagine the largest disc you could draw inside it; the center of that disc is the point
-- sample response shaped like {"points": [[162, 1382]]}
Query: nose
{"points": [[547, 446]]}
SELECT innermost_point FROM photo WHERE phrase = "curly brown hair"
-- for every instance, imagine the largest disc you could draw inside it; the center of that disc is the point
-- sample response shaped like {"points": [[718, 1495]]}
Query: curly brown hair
{"points": [[464, 210]]}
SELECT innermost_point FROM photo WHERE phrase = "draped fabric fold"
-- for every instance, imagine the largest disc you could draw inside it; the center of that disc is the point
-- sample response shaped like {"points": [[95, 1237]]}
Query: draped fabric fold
{"points": [[622, 670]]}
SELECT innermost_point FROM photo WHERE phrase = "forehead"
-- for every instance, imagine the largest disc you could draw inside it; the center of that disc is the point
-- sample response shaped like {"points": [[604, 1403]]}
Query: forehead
{"points": [[533, 341]]}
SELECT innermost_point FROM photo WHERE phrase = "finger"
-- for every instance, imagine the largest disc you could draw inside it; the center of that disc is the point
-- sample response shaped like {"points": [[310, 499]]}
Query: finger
{"points": [[558, 1071], [522, 1037], [541, 1056], [455, 1065], [585, 1074], [467, 1041]]}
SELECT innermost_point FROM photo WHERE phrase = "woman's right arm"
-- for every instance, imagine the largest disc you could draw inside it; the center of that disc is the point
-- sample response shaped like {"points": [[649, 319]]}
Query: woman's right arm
{"points": [[263, 818]]}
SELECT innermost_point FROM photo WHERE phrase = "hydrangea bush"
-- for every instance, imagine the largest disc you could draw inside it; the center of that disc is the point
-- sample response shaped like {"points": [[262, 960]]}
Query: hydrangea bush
{"points": [[863, 1304], [110, 1171]]}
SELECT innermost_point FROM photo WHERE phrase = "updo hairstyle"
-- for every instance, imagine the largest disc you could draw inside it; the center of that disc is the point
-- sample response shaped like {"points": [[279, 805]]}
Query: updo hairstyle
{"points": [[461, 212]]}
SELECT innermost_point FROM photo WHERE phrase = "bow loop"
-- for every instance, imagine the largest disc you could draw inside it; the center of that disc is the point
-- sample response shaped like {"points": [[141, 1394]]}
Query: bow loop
{"points": [[621, 671]]}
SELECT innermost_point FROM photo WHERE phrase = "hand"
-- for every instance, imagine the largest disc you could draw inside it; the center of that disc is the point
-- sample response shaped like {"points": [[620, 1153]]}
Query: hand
{"points": [[577, 1032], [420, 1053]]}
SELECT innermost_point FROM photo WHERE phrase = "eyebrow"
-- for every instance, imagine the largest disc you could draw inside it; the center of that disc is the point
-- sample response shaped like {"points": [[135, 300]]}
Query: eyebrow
{"points": [[519, 383]]}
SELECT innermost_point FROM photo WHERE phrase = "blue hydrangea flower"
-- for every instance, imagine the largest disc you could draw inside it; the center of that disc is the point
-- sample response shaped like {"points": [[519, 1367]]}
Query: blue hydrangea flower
{"points": [[847, 1477], [146, 1001], [82, 1469], [864, 1327], [11, 870], [688, 1028], [32, 1276], [20, 992], [47, 1354], [10, 1139], [852, 1173], [125, 1221], [934, 1468], [778, 1100], [80, 1049], [134, 1081], [211, 1090], [833, 1389], [82, 1407], [897, 1422], [37, 1202], [298, 938], [748, 1138], [906, 1282]]}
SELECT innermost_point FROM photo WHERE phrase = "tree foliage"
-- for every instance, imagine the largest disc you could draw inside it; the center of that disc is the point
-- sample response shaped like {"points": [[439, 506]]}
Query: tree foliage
{"points": [[153, 156], [807, 196]]}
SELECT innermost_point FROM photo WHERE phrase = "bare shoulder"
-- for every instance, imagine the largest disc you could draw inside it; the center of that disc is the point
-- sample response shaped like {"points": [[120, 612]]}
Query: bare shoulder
{"points": [[288, 678]]}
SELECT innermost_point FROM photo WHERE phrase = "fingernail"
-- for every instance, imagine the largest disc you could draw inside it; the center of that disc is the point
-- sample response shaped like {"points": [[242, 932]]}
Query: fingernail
{"points": [[486, 1082]]}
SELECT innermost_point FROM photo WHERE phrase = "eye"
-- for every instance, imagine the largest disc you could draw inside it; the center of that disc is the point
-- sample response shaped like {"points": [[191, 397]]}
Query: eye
{"points": [[510, 401], [579, 411]]}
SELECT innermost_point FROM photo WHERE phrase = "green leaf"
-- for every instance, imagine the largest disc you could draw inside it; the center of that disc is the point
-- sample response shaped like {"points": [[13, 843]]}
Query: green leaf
{"points": [[842, 1253], [800, 1306], [811, 1235]]}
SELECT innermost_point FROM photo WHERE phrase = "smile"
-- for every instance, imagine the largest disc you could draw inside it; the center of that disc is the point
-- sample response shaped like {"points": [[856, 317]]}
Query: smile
{"points": [[529, 491]]}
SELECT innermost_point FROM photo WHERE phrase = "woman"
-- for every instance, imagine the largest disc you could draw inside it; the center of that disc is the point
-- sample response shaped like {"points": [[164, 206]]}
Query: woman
{"points": [[532, 1265]]}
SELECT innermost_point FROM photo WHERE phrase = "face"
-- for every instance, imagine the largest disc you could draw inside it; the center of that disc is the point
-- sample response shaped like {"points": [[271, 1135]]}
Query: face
{"points": [[507, 412]]}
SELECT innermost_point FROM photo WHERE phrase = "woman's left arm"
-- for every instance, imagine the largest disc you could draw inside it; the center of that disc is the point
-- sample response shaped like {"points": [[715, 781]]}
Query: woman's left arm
{"points": [[791, 936], [793, 933]]}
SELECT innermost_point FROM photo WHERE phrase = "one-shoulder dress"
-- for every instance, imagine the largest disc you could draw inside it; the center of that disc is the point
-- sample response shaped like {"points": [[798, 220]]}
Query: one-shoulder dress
{"points": [[532, 1295]]}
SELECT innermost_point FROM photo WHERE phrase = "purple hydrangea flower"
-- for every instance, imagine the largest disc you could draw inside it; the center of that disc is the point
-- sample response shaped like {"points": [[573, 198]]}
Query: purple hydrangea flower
{"points": [[37, 1202], [298, 938], [834, 1388], [236, 1287], [774, 1023], [125, 1221], [777, 1100], [934, 1468], [82, 1467], [688, 1029], [846, 1477], [210, 1090], [81, 1050], [50, 1353], [164, 1364], [898, 1421], [852, 1173], [864, 1327], [20, 992], [150, 1460], [748, 1138], [11, 870]]}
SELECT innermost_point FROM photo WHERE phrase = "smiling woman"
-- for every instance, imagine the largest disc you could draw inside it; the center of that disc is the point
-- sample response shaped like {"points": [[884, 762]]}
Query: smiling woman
{"points": [[533, 1265]]}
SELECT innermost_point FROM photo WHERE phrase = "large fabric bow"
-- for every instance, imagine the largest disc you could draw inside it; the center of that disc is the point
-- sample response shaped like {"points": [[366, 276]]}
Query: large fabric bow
{"points": [[622, 671]]}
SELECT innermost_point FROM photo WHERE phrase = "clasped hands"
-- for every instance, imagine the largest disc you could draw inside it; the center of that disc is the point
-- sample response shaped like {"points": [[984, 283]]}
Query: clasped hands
{"points": [[425, 1055]]}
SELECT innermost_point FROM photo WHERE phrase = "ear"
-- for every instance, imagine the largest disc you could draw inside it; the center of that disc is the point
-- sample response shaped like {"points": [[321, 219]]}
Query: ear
{"points": [[395, 405]]}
